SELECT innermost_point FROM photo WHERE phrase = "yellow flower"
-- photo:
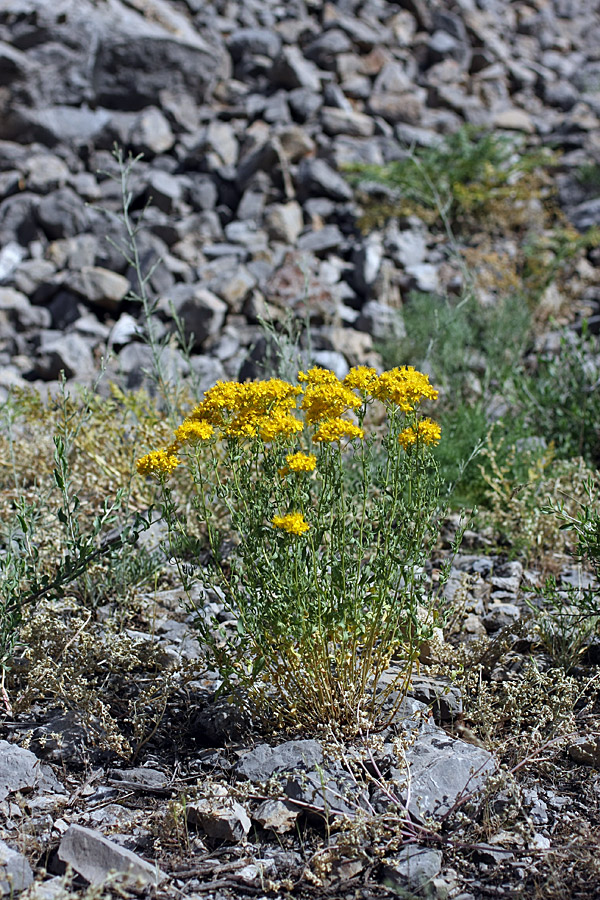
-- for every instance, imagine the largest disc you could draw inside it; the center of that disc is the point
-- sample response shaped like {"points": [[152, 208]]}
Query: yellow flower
{"points": [[191, 431], [336, 429], [222, 398], [317, 375], [242, 409], [278, 425], [425, 432], [293, 523], [403, 387], [361, 378], [327, 401], [158, 462], [301, 462]]}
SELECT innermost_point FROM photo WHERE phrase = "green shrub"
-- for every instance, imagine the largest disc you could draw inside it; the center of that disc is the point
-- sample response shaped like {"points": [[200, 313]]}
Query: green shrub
{"points": [[468, 176], [568, 616], [561, 400]]}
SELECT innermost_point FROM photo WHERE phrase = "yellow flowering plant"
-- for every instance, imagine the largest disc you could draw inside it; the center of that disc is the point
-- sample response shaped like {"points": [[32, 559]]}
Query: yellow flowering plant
{"points": [[317, 528]]}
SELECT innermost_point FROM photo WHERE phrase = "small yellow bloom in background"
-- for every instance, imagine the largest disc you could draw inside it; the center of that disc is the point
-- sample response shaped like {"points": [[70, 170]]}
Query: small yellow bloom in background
{"points": [[293, 523], [336, 429], [157, 463], [403, 387], [317, 375], [361, 378], [191, 431], [301, 462], [426, 432]]}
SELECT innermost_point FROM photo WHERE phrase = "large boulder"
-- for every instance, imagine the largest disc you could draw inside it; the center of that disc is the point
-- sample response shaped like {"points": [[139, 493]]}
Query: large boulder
{"points": [[106, 54]]}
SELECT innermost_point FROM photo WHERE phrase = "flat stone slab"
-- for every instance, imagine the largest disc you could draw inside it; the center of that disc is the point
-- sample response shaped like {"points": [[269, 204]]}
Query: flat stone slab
{"points": [[15, 871], [19, 769], [264, 761], [95, 858], [441, 771]]}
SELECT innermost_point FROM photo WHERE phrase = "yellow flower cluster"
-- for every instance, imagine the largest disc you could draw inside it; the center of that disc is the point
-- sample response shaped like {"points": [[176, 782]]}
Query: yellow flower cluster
{"points": [[325, 399], [158, 462], [335, 429], [191, 431], [251, 409], [361, 378], [265, 410], [318, 375], [293, 523], [301, 462], [403, 387], [425, 432]]}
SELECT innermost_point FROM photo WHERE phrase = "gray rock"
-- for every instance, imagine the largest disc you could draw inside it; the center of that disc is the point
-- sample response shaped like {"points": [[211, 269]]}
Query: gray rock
{"points": [[381, 321], [276, 815], [205, 371], [265, 761], [514, 120], [125, 330], [13, 303], [202, 192], [19, 769], [367, 257], [441, 771], [15, 871], [284, 221], [221, 138], [45, 172], [562, 94], [413, 869], [136, 362], [69, 353], [165, 191], [325, 49], [364, 35], [261, 41], [407, 248], [99, 286], [396, 107], [140, 777], [586, 214], [341, 121], [151, 133], [62, 214], [322, 241], [33, 277], [334, 360], [443, 46], [326, 792], [315, 177], [222, 818], [424, 277], [444, 699], [291, 70], [11, 255], [51, 889], [18, 220], [201, 311], [95, 857], [304, 103], [54, 124], [234, 288]]}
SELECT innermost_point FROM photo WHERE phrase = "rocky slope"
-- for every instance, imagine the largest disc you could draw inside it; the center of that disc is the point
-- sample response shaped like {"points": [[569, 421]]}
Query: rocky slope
{"points": [[245, 113]]}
